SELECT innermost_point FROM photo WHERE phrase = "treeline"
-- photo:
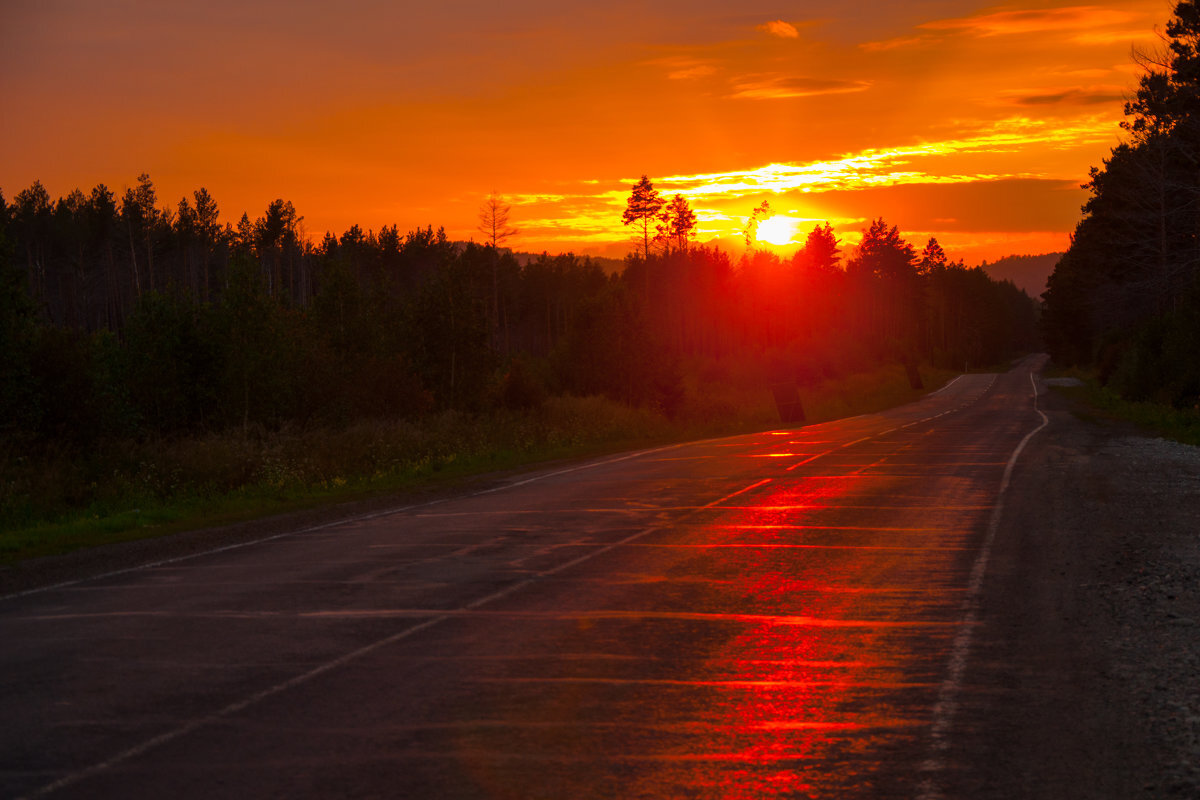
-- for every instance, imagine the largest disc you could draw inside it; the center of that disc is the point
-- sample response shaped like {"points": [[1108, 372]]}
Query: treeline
{"points": [[127, 319], [1125, 297]]}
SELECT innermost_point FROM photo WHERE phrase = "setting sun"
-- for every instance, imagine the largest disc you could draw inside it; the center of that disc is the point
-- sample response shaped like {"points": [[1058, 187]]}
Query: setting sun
{"points": [[778, 230]]}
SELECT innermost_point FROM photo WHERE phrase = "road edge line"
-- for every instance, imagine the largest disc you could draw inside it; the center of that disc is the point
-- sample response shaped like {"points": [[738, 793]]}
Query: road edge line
{"points": [[946, 707]]}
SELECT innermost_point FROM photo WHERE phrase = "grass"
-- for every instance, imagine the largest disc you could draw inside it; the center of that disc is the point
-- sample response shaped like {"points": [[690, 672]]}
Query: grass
{"points": [[1178, 424], [57, 501]]}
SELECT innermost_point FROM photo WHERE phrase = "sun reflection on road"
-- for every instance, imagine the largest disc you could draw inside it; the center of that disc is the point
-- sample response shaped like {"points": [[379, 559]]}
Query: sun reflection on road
{"points": [[810, 691], [786, 641]]}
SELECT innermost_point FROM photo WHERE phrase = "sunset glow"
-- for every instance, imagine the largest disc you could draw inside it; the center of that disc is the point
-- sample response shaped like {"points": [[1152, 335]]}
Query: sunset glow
{"points": [[778, 230], [971, 121]]}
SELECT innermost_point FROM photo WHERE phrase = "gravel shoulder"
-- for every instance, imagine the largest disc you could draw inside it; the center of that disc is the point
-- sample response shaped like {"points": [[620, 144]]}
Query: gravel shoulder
{"points": [[1085, 678]]}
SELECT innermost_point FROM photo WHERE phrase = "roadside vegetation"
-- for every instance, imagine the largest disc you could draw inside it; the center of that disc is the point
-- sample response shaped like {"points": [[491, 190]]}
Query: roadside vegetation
{"points": [[137, 489], [1105, 402]]}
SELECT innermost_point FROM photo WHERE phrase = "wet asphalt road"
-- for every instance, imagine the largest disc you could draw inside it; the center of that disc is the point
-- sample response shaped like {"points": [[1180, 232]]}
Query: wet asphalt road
{"points": [[785, 614]]}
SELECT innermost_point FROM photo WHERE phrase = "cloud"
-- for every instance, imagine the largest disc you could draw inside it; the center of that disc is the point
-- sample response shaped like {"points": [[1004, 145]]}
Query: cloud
{"points": [[683, 68], [893, 44], [1120, 36], [999, 23], [776, 87], [1072, 97], [777, 27], [690, 73]]}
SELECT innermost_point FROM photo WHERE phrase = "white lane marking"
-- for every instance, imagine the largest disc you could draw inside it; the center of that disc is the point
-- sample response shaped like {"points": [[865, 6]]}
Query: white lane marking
{"points": [[216, 550], [947, 386], [240, 705], [946, 707], [881, 434]]}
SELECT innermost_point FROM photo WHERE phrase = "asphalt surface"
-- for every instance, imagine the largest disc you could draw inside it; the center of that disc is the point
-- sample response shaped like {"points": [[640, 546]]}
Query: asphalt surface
{"points": [[786, 614]]}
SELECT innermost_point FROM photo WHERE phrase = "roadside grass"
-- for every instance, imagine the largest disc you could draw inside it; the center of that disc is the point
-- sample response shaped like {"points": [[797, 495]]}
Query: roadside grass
{"points": [[1178, 424], [58, 501]]}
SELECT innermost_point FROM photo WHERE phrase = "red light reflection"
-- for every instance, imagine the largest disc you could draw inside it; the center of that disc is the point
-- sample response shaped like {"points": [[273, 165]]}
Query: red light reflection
{"points": [[800, 697]]}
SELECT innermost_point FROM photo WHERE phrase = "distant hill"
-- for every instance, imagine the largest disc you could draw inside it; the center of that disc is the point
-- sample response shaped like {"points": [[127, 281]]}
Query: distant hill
{"points": [[609, 265], [1027, 272]]}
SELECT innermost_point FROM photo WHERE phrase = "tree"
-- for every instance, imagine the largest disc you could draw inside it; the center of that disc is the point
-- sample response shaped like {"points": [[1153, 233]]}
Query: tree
{"points": [[759, 214], [1136, 252], [103, 222], [249, 332], [642, 209], [493, 221], [821, 248], [884, 270], [1168, 93], [143, 221], [17, 334], [277, 243], [32, 217], [207, 228], [678, 223], [449, 338], [883, 253], [493, 224], [933, 257]]}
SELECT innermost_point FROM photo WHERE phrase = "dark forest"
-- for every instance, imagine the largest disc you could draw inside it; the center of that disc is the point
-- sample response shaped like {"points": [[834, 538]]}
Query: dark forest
{"points": [[124, 317], [1125, 297], [150, 354]]}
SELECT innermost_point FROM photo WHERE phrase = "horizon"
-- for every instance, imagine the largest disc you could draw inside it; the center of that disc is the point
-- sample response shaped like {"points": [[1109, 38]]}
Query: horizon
{"points": [[971, 122]]}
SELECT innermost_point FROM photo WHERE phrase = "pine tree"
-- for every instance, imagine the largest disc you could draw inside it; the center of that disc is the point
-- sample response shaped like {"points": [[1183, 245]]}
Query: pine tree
{"points": [[1169, 92], [678, 224], [933, 257], [642, 209], [821, 248]]}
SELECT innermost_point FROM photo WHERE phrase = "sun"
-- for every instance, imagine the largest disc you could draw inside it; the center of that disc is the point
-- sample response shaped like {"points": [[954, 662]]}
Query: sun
{"points": [[777, 230]]}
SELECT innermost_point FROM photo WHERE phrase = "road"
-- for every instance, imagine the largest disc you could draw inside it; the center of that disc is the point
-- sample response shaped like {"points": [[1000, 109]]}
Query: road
{"points": [[783, 614]]}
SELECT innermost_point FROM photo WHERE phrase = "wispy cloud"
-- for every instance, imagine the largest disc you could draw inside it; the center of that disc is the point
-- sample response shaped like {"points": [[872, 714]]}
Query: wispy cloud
{"points": [[688, 73], [1104, 95], [893, 44], [1119, 36], [778, 87], [683, 68], [777, 27], [1090, 24], [880, 167], [999, 23]]}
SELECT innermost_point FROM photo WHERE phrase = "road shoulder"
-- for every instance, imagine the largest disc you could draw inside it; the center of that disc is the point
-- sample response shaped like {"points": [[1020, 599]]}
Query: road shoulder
{"points": [[1084, 679]]}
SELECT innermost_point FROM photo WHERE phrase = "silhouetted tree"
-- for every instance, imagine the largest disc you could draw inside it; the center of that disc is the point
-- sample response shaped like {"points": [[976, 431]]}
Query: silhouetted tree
{"points": [[933, 257], [32, 221], [144, 223], [642, 210], [884, 270], [821, 248], [763, 212], [678, 224], [493, 224]]}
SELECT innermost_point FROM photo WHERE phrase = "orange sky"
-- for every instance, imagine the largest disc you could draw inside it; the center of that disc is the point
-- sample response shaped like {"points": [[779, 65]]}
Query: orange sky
{"points": [[971, 121]]}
